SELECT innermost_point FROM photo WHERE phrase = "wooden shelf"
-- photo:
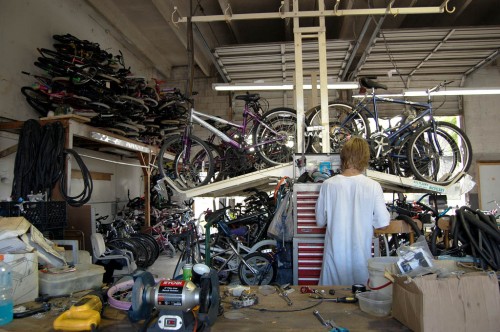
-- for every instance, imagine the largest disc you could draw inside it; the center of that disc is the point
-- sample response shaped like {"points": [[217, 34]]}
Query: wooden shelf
{"points": [[79, 134]]}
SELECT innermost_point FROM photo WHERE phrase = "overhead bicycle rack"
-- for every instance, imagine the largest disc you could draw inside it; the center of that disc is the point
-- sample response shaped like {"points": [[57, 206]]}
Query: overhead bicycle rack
{"points": [[264, 180], [401, 184]]}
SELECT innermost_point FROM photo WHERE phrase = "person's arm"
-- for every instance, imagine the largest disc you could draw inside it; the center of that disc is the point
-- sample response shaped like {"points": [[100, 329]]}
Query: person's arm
{"points": [[381, 216], [321, 208]]}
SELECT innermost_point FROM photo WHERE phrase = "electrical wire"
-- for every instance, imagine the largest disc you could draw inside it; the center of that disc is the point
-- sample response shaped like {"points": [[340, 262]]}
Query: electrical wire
{"points": [[84, 196]]}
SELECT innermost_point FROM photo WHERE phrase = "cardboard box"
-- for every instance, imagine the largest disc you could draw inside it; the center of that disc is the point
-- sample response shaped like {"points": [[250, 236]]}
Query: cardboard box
{"points": [[468, 302], [24, 276]]}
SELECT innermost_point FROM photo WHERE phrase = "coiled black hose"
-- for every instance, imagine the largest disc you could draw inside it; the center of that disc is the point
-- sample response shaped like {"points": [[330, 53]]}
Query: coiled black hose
{"points": [[413, 224], [88, 186], [481, 233]]}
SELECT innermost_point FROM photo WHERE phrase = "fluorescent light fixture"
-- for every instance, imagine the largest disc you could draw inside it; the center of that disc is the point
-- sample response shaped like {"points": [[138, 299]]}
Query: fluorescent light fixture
{"points": [[336, 86], [251, 86], [448, 92], [279, 86]]}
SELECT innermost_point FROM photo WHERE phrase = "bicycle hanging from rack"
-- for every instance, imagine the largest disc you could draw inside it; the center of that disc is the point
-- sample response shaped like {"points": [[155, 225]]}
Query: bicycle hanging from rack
{"points": [[189, 160], [418, 146]]}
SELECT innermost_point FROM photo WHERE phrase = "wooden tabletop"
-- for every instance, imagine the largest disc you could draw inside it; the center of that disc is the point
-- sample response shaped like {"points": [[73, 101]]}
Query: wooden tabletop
{"points": [[270, 314]]}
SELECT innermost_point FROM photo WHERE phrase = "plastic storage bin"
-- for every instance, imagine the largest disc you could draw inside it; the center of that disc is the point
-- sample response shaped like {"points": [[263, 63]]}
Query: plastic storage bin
{"points": [[86, 276], [375, 303]]}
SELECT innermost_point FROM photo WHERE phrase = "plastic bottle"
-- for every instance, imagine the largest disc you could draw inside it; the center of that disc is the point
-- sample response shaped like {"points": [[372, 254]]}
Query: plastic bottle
{"points": [[6, 300]]}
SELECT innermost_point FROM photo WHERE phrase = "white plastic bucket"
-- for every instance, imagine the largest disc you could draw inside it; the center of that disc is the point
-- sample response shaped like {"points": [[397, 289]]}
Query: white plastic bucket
{"points": [[377, 282]]}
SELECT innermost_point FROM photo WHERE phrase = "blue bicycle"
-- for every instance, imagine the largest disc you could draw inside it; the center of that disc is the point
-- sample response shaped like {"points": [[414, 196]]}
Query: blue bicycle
{"points": [[417, 146]]}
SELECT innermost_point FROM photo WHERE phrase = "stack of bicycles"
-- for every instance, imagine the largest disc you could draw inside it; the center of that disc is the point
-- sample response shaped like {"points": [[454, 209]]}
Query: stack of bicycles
{"points": [[263, 139], [82, 79], [417, 146]]}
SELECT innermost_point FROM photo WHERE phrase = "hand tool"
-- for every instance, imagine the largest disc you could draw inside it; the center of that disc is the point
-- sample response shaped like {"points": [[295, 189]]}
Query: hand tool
{"points": [[307, 290], [346, 299], [283, 293], [329, 323], [84, 315]]}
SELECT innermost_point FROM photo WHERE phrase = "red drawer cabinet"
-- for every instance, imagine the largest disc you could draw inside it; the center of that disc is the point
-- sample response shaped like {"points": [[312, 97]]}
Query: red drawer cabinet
{"points": [[307, 258], [305, 196]]}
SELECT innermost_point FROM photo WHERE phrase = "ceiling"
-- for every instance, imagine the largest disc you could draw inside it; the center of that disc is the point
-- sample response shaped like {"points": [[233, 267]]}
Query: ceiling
{"points": [[403, 51]]}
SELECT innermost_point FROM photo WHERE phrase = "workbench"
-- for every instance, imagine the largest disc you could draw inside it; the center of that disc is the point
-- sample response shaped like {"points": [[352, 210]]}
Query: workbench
{"points": [[270, 314]]}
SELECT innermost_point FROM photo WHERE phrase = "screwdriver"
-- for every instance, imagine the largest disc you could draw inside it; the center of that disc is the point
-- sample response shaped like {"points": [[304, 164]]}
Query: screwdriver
{"points": [[345, 299]]}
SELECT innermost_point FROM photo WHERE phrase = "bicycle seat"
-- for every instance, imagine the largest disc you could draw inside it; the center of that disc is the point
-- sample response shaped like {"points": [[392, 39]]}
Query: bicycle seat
{"points": [[215, 216], [368, 83], [249, 97]]}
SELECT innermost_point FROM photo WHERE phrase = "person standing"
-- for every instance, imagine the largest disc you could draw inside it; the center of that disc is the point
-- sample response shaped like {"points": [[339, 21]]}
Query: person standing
{"points": [[350, 205]]}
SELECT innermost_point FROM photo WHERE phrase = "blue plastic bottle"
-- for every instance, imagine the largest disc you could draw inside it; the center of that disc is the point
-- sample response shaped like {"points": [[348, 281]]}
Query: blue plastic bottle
{"points": [[6, 300]]}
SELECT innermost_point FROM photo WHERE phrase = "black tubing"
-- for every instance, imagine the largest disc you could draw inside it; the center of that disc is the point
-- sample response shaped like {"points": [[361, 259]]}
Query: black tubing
{"points": [[412, 224]]}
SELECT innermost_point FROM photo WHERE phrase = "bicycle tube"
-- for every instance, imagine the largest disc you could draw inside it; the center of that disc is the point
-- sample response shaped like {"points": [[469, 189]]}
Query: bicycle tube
{"points": [[412, 224], [190, 161]]}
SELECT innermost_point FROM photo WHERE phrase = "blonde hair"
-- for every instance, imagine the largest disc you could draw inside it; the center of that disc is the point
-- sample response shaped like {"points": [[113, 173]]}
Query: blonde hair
{"points": [[355, 154]]}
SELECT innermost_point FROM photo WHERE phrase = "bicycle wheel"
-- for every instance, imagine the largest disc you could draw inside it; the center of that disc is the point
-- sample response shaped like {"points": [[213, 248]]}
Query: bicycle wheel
{"points": [[150, 243], [187, 160], [266, 270], [276, 136], [39, 96], [399, 164], [343, 123], [439, 156]]}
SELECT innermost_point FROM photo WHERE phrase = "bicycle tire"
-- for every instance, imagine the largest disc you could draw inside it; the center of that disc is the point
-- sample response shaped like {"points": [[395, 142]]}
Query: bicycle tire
{"points": [[263, 264], [42, 108], [338, 112], [274, 149], [399, 164], [429, 165], [191, 172], [151, 245], [137, 249], [37, 95]]}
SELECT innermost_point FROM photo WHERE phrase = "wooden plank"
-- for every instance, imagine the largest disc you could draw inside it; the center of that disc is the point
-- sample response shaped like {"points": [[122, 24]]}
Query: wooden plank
{"points": [[398, 227], [76, 174], [8, 151], [75, 117]]}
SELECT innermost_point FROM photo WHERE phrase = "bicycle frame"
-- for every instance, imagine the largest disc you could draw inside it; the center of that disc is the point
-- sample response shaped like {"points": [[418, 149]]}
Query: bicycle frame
{"points": [[393, 135], [197, 117], [374, 114]]}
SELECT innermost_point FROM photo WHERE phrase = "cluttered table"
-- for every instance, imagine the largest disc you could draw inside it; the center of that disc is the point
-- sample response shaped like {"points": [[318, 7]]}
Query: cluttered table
{"points": [[270, 313]]}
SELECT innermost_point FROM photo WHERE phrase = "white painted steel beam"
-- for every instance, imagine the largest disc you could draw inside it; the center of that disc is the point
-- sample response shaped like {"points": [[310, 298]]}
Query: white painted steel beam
{"points": [[318, 13]]}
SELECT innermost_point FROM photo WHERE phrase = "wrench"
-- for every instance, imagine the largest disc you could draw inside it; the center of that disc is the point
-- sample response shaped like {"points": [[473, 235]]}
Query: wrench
{"points": [[283, 294]]}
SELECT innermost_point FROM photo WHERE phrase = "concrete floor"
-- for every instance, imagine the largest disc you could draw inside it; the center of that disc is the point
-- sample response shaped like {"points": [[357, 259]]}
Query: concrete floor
{"points": [[164, 266]]}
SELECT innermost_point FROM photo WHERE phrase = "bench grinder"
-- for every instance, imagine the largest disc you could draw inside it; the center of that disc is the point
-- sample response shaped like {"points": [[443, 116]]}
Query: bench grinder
{"points": [[174, 301]]}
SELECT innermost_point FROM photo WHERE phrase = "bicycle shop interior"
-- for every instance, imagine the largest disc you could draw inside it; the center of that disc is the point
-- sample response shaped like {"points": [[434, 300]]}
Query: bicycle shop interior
{"points": [[160, 163]]}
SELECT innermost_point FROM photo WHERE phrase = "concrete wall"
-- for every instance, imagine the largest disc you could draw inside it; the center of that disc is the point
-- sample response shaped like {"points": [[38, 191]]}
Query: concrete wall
{"points": [[28, 24], [481, 117]]}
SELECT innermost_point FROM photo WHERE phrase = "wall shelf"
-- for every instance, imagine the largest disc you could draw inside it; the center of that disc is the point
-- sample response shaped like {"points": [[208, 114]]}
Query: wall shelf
{"points": [[79, 134]]}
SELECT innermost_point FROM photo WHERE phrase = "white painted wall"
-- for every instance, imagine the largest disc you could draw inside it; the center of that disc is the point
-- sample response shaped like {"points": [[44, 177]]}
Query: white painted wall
{"points": [[28, 24], [482, 117]]}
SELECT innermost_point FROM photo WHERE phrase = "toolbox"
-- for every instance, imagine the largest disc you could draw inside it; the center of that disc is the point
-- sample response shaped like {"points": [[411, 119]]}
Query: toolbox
{"points": [[84, 277]]}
